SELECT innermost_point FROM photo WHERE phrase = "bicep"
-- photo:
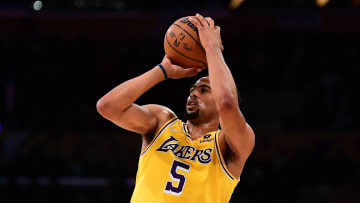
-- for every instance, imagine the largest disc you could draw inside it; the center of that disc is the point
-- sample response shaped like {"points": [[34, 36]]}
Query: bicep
{"points": [[136, 118]]}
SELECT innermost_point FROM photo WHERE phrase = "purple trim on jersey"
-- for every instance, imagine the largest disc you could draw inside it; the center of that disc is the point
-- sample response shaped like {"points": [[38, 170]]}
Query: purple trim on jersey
{"points": [[219, 154], [158, 135], [186, 131]]}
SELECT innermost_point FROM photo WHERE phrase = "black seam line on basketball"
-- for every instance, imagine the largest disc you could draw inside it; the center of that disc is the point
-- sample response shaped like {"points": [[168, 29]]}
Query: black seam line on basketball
{"points": [[183, 54], [191, 37]]}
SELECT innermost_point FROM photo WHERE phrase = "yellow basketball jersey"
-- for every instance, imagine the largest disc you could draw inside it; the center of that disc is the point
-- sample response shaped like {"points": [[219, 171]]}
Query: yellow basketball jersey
{"points": [[175, 168]]}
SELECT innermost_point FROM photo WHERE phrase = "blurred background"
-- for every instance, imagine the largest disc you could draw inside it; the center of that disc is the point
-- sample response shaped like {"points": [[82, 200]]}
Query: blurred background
{"points": [[296, 64]]}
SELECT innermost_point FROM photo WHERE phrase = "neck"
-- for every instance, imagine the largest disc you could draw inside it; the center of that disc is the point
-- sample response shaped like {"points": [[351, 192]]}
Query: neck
{"points": [[199, 129]]}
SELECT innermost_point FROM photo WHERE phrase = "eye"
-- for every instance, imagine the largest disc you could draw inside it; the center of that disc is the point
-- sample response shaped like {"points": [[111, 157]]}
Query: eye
{"points": [[204, 90], [191, 90]]}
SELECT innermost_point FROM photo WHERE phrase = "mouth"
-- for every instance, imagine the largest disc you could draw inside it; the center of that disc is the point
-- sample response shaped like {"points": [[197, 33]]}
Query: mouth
{"points": [[191, 104]]}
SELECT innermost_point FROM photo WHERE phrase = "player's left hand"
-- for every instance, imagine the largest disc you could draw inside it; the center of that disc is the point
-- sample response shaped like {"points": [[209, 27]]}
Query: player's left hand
{"points": [[209, 33], [176, 72]]}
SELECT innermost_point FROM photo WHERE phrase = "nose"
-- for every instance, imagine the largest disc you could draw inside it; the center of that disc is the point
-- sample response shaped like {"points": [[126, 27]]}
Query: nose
{"points": [[194, 94]]}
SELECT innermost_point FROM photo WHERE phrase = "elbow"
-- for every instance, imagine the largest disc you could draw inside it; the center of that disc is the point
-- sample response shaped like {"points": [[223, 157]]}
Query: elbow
{"points": [[103, 107], [109, 107]]}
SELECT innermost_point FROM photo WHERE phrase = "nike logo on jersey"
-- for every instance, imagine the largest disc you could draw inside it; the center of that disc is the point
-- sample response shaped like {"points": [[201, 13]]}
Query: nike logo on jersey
{"points": [[185, 151]]}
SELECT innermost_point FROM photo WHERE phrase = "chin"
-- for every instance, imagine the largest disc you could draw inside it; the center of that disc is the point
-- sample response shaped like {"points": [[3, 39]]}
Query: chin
{"points": [[191, 115]]}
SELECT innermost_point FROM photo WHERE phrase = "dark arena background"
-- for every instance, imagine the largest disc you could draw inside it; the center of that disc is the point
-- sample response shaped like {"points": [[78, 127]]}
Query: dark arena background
{"points": [[296, 64]]}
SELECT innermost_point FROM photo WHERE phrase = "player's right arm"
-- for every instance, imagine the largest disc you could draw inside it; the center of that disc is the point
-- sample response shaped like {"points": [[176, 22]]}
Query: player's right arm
{"points": [[118, 105]]}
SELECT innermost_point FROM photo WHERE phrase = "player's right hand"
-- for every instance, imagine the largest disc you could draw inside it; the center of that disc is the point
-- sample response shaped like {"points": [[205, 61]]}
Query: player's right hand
{"points": [[176, 72], [209, 33]]}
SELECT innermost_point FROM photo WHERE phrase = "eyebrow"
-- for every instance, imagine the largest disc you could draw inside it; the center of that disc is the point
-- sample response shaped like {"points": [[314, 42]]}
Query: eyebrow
{"points": [[203, 85]]}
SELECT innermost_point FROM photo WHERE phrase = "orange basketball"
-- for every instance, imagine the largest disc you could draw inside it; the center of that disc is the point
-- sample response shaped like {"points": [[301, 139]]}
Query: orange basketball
{"points": [[182, 45]]}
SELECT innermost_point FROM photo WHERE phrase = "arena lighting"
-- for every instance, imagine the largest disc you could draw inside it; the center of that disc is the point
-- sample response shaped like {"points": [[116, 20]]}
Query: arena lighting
{"points": [[322, 3], [37, 6], [234, 4]]}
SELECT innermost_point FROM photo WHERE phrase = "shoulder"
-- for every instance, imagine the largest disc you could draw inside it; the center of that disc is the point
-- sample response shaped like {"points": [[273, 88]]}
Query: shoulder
{"points": [[247, 132], [162, 114], [246, 135]]}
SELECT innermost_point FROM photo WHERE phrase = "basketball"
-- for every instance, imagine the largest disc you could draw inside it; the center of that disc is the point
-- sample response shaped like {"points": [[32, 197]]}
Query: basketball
{"points": [[182, 45]]}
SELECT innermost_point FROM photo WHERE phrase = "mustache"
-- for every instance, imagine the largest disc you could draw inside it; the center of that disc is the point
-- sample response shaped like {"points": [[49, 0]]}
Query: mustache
{"points": [[193, 100]]}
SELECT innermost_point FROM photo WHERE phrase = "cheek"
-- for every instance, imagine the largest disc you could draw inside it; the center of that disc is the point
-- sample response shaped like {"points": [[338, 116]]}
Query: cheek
{"points": [[208, 103], [202, 105]]}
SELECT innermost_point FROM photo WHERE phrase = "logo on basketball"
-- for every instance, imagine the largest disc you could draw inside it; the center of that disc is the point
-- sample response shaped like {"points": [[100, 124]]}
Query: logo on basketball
{"points": [[187, 48], [179, 39], [188, 23]]}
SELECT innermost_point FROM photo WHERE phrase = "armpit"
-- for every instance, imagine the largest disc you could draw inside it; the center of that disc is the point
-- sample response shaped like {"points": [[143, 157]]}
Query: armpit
{"points": [[230, 155], [149, 136]]}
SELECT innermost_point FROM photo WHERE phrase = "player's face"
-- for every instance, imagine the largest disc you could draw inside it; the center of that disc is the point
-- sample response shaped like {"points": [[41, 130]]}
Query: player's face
{"points": [[200, 103]]}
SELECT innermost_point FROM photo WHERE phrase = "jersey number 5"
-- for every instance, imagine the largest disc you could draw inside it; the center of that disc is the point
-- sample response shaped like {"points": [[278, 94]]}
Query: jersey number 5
{"points": [[176, 177]]}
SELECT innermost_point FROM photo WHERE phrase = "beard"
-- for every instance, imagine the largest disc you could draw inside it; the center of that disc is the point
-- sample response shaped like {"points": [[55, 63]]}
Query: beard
{"points": [[191, 115]]}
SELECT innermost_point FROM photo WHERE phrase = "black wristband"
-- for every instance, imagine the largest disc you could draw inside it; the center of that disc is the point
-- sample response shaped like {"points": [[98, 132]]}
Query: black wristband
{"points": [[163, 70]]}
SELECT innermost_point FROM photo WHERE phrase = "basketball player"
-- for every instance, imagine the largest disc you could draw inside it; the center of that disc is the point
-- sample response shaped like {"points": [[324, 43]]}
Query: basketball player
{"points": [[190, 161]]}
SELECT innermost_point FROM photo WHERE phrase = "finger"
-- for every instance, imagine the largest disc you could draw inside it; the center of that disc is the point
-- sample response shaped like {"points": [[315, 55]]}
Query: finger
{"points": [[218, 30], [191, 71], [210, 21], [196, 22], [165, 59], [202, 20]]}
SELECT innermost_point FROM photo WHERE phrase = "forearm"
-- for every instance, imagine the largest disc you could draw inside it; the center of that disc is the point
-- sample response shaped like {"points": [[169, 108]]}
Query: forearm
{"points": [[123, 95], [222, 83]]}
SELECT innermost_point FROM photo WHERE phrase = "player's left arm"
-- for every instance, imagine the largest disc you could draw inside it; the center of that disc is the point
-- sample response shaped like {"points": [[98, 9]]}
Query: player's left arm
{"points": [[239, 136]]}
